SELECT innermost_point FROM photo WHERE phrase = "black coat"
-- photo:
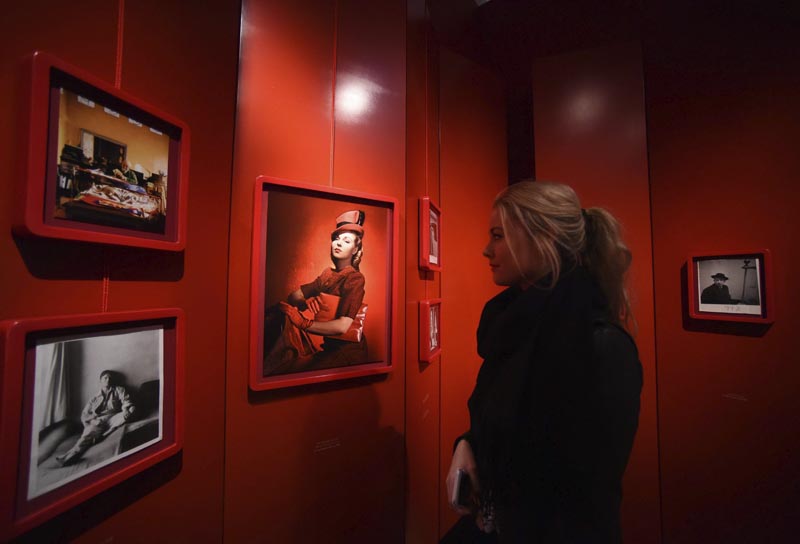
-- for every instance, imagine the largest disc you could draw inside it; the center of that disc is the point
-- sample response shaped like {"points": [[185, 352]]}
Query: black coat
{"points": [[554, 412], [716, 294]]}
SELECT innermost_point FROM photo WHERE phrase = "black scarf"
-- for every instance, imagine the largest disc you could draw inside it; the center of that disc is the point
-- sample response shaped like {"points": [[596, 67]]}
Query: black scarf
{"points": [[528, 409]]}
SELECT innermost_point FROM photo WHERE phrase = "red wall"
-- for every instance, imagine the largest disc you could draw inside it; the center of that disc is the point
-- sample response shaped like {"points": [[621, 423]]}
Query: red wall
{"points": [[297, 61], [473, 170], [589, 129], [724, 122], [162, 45], [422, 379]]}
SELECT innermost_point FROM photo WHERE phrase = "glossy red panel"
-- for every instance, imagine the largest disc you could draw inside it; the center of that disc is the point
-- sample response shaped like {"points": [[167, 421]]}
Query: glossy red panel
{"points": [[589, 132], [285, 93], [20, 291], [422, 379], [722, 116], [473, 171], [313, 441], [183, 62], [370, 137]]}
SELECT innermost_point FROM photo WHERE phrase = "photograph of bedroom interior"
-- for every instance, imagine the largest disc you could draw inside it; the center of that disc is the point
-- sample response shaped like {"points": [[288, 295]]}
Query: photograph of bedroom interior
{"points": [[110, 168]]}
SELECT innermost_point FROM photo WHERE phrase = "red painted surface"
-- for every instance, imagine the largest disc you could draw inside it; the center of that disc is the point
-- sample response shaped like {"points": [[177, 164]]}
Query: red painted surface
{"points": [[589, 132], [473, 171], [164, 44], [422, 379], [723, 123], [322, 462]]}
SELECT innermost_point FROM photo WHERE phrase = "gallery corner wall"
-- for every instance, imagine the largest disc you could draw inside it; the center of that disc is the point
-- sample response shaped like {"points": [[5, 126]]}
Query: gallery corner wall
{"points": [[723, 123], [182, 60], [322, 90]]}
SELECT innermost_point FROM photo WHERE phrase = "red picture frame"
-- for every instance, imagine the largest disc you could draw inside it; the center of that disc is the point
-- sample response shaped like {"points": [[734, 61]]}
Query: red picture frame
{"points": [[430, 235], [52, 453], [430, 329], [101, 165], [293, 243], [731, 286]]}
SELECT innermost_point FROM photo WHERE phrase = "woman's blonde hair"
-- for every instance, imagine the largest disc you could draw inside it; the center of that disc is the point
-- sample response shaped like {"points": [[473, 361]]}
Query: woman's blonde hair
{"points": [[549, 216]]}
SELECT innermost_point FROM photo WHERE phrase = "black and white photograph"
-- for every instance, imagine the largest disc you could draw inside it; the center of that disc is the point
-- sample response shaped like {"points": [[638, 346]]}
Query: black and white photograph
{"points": [[434, 328], [97, 398], [730, 285], [433, 227]]}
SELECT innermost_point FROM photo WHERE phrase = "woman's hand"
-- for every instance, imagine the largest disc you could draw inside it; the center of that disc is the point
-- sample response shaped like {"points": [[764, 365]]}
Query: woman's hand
{"points": [[294, 315], [463, 459]]}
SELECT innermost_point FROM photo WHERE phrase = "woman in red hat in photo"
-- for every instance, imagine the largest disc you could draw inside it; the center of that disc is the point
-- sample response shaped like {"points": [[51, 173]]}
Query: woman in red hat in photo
{"points": [[330, 307]]}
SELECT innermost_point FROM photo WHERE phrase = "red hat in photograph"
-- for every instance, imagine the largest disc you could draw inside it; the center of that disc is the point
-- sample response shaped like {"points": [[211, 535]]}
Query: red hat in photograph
{"points": [[351, 221]]}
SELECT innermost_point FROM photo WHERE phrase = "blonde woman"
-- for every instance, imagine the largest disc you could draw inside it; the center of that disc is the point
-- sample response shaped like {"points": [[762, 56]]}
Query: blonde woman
{"points": [[556, 403]]}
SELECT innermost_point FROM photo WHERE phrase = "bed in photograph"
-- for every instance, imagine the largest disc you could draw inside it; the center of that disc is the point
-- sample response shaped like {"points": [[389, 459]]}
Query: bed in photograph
{"points": [[105, 199]]}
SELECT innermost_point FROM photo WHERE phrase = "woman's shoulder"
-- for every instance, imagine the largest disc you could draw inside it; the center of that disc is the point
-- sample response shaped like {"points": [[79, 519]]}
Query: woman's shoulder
{"points": [[616, 358]]}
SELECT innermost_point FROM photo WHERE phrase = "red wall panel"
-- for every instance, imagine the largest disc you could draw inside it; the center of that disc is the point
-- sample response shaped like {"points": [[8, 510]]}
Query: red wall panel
{"points": [[422, 379], [162, 46], [321, 462], [473, 170], [723, 123], [589, 129]]}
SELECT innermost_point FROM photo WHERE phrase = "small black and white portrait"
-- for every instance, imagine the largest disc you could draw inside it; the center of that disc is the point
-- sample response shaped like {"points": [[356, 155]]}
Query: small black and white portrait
{"points": [[97, 398], [433, 225], [434, 327], [730, 285]]}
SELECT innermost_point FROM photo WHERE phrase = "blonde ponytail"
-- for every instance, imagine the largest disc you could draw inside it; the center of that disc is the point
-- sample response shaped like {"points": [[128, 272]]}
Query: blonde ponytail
{"points": [[549, 216], [608, 258]]}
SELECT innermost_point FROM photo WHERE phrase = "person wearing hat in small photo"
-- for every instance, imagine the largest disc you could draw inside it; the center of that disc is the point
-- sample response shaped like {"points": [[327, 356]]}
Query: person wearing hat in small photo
{"points": [[330, 307], [717, 292]]}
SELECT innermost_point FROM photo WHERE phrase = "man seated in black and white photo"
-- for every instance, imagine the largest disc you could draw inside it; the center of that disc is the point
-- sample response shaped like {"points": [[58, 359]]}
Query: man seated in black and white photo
{"points": [[717, 292], [105, 412]]}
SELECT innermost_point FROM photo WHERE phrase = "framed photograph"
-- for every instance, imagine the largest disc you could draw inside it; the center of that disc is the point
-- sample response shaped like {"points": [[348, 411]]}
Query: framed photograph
{"points": [[102, 166], [430, 338], [430, 235], [732, 286], [87, 401], [324, 284]]}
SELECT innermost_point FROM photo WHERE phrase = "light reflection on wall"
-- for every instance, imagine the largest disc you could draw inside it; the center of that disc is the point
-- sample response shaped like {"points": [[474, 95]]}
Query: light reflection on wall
{"points": [[585, 106], [355, 97]]}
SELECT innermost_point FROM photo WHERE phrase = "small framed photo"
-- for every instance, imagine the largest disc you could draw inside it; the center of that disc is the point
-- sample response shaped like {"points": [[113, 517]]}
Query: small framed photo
{"points": [[87, 401], [430, 235], [324, 284], [102, 166], [731, 286], [430, 338]]}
